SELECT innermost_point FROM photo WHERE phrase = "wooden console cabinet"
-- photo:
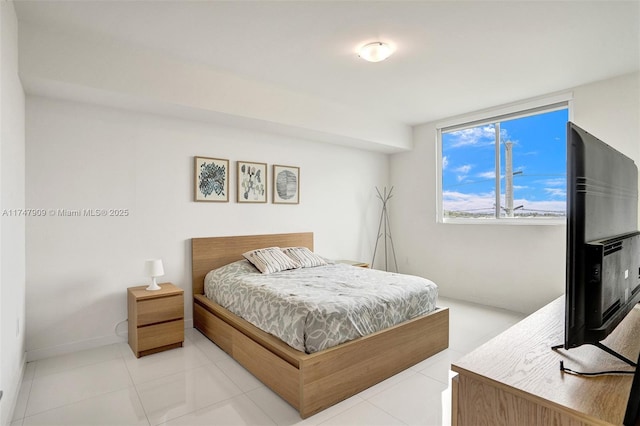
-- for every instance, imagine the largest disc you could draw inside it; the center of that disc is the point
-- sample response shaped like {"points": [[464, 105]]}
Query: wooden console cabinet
{"points": [[515, 378], [156, 319]]}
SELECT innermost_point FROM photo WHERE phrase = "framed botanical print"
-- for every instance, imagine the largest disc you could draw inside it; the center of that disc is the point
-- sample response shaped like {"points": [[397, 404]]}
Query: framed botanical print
{"points": [[286, 184], [252, 182], [211, 179]]}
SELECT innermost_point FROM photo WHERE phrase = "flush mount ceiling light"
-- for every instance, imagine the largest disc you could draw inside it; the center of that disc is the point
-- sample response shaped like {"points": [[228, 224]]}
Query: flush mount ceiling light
{"points": [[375, 52]]}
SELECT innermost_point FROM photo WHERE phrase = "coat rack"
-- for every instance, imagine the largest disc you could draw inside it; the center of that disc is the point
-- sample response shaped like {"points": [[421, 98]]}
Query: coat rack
{"points": [[384, 222]]}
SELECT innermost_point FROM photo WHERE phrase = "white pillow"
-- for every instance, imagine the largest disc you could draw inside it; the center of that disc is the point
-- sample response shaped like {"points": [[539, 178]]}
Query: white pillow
{"points": [[305, 257], [270, 260]]}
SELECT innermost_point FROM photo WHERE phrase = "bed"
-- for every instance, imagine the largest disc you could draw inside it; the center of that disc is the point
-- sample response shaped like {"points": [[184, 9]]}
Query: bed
{"points": [[316, 381]]}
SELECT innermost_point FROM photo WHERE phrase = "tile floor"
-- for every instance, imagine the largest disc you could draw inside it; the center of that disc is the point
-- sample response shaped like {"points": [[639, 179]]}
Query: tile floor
{"points": [[200, 385]]}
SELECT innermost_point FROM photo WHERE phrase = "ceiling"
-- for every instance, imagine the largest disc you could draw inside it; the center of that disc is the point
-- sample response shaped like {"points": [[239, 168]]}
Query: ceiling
{"points": [[451, 57]]}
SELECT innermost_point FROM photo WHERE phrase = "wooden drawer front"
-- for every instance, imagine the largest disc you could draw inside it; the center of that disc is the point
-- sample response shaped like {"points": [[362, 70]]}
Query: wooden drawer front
{"points": [[168, 308], [155, 336]]}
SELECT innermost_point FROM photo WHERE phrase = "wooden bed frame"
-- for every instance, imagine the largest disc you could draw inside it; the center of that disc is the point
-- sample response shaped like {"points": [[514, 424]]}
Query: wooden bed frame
{"points": [[309, 382]]}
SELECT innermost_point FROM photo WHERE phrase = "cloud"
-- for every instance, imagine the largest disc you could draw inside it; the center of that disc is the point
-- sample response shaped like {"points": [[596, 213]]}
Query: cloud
{"points": [[542, 206], [482, 135], [462, 196], [474, 136], [463, 169], [484, 202], [459, 201], [556, 192], [445, 162], [491, 174], [554, 182]]}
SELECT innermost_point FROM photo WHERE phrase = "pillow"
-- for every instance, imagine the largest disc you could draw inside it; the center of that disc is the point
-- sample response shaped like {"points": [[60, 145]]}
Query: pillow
{"points": [[305, 257], [270, 260]]}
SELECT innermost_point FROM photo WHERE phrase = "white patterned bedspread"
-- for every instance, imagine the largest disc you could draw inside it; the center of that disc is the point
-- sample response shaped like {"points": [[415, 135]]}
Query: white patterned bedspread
{"points": [[312, 309]]}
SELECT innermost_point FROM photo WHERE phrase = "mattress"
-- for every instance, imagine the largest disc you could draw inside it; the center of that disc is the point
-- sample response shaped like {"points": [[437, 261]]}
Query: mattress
{"points": [[312, 309]]}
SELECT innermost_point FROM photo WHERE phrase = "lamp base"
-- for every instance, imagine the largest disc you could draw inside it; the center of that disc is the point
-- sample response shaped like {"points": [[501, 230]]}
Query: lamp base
{"points": [[153, 286]]}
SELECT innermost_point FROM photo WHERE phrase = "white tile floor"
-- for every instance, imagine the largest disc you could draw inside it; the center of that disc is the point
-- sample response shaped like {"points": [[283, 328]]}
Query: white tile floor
{"points": [[200, 385]]}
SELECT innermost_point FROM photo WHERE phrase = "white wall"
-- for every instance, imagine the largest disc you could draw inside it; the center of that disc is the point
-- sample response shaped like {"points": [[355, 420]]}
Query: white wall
{"points": [[12, 228], [81, 156], [518, 267], [610, 110]]}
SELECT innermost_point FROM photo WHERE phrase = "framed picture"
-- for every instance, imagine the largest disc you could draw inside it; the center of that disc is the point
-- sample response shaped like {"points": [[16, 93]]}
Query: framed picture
{"points": [[252, 182], [286, 184], [211, 179]]}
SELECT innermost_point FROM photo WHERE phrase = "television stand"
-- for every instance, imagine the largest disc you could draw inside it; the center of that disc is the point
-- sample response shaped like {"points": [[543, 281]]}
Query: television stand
{"points": [[606, 349], [514, 379]]}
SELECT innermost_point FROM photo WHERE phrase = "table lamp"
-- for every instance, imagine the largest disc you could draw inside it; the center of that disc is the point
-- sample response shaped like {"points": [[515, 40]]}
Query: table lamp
{"points": [[153, 268]]}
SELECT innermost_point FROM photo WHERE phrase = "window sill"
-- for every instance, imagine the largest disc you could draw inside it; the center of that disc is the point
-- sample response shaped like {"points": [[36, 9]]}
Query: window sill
{"points": [[513, 221]]}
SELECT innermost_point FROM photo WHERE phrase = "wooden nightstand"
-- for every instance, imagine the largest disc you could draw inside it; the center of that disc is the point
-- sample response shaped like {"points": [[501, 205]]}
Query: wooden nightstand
{"points": [[354, 263], [156, 319]]}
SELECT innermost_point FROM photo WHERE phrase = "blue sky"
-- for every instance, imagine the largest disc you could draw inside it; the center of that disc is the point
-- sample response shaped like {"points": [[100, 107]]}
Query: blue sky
{"points": [[539, 153]]}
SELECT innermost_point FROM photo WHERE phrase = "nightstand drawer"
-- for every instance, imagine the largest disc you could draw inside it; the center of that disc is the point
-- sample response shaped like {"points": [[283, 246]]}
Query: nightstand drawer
{"points": [[161, 309], [157, 335]]}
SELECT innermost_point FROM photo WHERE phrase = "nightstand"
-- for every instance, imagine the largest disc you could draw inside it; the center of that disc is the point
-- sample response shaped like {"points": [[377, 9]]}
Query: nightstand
{"points": [[354, 263], [156, 319]]}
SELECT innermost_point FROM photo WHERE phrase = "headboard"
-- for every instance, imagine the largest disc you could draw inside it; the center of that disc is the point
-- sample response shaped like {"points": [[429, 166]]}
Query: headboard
{"points": [[214, 252]]}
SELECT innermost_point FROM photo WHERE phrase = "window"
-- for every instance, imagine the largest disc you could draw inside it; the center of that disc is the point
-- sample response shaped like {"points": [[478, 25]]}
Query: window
{"points": [[511, 166]]}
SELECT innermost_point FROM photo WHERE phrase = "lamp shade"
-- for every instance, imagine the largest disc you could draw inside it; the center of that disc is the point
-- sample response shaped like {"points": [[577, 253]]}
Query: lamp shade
{"points": [[153, 268], [375, 52]]}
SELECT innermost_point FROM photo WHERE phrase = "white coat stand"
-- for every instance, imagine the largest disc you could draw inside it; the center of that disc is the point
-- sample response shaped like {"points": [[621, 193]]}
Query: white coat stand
{"points": [[384, 222]]}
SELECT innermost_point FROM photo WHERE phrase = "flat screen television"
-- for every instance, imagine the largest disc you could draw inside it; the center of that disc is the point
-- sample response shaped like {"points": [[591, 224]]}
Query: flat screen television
{"points": [[603, 242]]}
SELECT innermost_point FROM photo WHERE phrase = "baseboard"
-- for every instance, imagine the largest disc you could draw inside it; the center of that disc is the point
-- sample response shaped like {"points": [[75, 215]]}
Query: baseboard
{"points": [[67, 348]]}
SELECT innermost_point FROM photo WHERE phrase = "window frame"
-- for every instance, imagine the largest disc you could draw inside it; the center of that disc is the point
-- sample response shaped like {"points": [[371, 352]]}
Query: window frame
{"points": [[495, 116]]}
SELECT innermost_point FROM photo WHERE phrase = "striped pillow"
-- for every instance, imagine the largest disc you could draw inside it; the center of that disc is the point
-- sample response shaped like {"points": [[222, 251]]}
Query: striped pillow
{"points": [[270, 260], [305, 257]]}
